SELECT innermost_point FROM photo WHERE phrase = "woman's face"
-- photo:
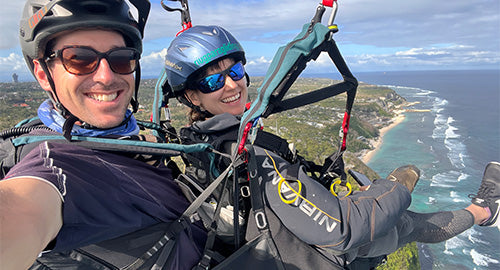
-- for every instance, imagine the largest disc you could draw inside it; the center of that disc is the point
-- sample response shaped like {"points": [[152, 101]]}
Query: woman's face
{"points": [[231, 98]]}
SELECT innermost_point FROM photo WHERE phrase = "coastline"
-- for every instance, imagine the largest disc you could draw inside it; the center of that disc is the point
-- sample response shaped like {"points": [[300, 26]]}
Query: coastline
{"points": [[367, 156]]}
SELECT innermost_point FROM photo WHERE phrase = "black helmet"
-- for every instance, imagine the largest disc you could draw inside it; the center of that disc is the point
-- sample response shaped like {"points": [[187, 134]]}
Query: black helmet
{"points": [[195, 49], [43, 19]]}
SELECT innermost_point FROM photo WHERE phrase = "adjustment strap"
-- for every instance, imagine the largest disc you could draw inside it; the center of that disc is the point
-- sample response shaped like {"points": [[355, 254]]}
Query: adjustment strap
{"points": [[255, 191]]}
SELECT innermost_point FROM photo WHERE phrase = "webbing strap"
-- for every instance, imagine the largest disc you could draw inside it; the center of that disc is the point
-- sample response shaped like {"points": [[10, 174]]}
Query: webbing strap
{"points": [[284, 60], [165, 244], [130, 146], [204, 195], [255, 191], [287, 65]]}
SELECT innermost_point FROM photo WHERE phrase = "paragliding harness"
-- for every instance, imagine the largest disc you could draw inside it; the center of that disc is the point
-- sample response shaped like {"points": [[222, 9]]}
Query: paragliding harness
{"points": [[124, 252], [269, 242], [17, 142]]}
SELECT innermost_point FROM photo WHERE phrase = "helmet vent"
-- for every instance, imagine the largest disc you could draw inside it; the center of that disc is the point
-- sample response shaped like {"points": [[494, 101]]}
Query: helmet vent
{"points": [[96, 8], [37, 8], [183, 48], [211, 33]]}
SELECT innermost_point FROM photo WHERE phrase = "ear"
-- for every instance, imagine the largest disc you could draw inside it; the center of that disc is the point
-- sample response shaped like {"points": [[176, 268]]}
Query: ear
{"points": [[41, 76], [192, 96]]}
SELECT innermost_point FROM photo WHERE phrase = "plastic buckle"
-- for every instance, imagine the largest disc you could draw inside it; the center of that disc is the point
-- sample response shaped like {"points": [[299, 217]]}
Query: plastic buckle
{"points": [[245, 191], [260, 220]]}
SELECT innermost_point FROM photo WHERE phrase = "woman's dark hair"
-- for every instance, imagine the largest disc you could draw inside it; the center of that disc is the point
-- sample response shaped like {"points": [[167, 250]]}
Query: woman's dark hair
{"points": [[195, 115]]}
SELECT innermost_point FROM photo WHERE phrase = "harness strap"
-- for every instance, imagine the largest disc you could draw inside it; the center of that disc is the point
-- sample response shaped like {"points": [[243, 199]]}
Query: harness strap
{"points": [[115, 145], [255, 191], [165, 244]]}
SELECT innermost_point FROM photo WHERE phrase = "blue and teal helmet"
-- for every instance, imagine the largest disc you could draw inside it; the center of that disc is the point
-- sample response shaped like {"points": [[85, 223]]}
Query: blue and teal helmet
{"points": [[195, 49]]}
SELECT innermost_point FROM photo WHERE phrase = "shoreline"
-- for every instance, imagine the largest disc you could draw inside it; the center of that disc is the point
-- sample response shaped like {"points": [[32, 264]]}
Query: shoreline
{"points": [[368, 155]]}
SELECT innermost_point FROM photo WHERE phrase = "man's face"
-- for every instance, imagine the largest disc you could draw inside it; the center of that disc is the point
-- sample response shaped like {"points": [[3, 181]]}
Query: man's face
{"points": [[99, 98]]}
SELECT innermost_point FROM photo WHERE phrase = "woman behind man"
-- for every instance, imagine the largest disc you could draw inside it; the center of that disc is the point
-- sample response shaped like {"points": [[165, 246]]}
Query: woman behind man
{"points": [[205, 70]]}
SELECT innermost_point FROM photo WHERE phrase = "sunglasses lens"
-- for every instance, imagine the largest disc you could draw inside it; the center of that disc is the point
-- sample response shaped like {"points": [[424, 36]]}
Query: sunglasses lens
{"points": [[123, 61], [216, 81], [212, 83], [79, 60], [237, 72]]}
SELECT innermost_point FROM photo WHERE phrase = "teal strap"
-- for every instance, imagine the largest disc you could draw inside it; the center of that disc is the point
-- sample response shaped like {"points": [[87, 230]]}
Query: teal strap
{"points": [[167, 146], [283, 61]]}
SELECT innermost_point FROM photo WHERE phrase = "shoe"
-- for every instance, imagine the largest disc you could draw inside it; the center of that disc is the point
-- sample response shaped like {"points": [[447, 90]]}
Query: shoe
{"points": [[407, 175], [488, 194]]}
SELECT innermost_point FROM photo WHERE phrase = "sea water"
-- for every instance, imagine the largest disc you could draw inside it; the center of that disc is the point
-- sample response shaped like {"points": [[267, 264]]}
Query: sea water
{"points": [[452, 138]]}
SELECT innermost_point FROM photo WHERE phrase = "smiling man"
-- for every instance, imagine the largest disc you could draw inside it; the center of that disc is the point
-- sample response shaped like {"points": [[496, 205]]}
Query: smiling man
{"points": [[85, 81], [62, 197]]}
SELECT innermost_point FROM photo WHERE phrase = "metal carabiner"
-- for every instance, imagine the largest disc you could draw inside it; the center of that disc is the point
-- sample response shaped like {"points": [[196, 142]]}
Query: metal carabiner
{"points": [[333, 4], [185, 15], [321, 9], [341, 183]]}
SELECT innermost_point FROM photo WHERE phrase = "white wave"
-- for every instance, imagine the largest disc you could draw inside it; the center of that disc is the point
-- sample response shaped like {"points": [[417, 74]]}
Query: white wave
{"points": [[482, 259], [439, 103], [463, 176], [420, 141], [450, 132], [461, 156], [447, 179], [442, 185], [476, 240], [431, 200], [440, 126], [448, 252], [424, 92], [456, 150], [452, 244], [457, 198], [460, 200]]}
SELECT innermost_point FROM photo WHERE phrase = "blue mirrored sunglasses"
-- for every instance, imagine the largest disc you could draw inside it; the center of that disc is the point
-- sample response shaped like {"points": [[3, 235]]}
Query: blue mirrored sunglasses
{"points": [[214, 82]]}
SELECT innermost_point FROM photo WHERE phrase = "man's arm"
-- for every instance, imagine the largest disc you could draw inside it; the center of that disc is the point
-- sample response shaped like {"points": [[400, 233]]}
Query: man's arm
{"points": [[30, 217]]}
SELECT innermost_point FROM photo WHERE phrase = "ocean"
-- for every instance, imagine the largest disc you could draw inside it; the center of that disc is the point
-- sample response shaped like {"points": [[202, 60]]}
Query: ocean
{"points": [[451, 141]]}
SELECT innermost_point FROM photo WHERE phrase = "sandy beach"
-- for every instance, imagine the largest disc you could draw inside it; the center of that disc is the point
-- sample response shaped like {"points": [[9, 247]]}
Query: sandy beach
{"points": [[376, 143]]}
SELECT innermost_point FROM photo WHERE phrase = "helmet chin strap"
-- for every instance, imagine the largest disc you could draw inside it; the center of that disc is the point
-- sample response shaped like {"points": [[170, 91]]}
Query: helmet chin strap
{"points": [[185, 100], [72, 119], [53, 94]]}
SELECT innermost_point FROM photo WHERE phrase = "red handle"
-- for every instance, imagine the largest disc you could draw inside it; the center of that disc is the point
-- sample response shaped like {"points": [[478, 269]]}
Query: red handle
{"points": [[328, 3]]}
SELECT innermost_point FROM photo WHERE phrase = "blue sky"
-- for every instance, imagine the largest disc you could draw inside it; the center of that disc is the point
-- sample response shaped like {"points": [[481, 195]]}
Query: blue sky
{"points": [[374, 35]]}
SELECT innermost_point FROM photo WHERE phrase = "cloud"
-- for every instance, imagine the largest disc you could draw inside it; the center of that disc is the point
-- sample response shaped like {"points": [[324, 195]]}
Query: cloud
{"points": [[428, 58], [373, 34], [152, 64], [13, 63]]}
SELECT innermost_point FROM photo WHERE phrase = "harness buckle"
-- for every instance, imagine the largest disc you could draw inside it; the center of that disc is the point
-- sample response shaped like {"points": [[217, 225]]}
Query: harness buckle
{"points": [[260, 220], [245, 191]]}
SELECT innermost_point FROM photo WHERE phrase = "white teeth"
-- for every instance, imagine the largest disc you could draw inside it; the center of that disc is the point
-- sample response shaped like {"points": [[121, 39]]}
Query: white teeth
{"points": [[102, 97], [231, 99]]}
